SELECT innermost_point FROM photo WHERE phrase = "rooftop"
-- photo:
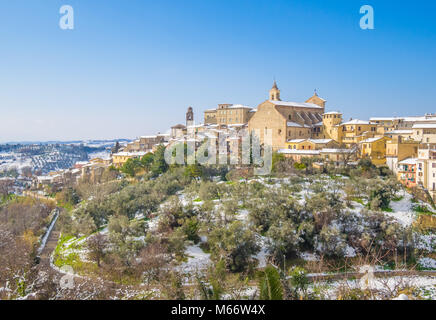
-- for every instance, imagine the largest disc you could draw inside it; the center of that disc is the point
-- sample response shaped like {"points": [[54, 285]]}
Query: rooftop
{"points": [[295, 104], [297, 125], [424, 126], [399, 132], [408, 161], [370, 140], [356, 121], [333, 150], [293, 151]]}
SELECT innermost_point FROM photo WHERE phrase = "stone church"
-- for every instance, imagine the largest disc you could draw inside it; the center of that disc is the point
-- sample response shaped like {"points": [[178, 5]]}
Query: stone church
{"points": [[288, 120]]}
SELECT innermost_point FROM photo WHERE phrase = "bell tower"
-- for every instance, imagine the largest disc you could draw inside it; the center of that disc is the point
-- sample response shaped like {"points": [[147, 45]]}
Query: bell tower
{"points": [[189, 117], [274, 93]]}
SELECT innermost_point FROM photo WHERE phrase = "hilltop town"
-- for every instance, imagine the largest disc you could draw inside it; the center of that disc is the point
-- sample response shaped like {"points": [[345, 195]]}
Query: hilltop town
{"points": [[343, 201], [299, 130]]}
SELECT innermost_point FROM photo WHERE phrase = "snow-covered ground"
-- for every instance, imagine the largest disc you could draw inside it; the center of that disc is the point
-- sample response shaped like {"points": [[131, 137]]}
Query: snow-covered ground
{"points": [[402, 210], [197, 260], [387, 285], [427, 263]]}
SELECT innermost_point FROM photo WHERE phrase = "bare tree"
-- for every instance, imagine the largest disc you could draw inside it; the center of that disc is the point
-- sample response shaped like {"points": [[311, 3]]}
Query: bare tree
{"points": [[97, 245], [6, 186]]}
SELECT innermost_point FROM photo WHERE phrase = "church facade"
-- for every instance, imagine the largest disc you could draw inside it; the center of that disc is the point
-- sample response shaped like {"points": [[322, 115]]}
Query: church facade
{"points": [[287, 120]]}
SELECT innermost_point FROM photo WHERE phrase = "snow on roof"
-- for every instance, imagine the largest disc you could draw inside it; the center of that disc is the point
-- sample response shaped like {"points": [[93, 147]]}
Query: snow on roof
{"points": [[296, 140], [130, 154], [408, 161], [295, 104], [400, 132], [356, 121], [333, 112], [316, 141], [253, 110], [384, 118], [293, 151], [370, 140], [424, 126], [238, 106], [419, 118], [297, 125], [44, 178], [237, 125], [148, 137], [332, 150], [320, 141]]}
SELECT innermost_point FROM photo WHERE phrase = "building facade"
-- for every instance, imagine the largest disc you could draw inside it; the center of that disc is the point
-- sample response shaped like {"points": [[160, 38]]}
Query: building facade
{"points": [[286, 120]]}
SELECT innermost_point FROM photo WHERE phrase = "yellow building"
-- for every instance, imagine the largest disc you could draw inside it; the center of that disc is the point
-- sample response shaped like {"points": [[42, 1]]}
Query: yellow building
{"points": [[424, 132], [311, 144], [355, 131], [426, 169], [402, 134], [398, 149], [228, 114], [385, 124], [120, 158], [329, 127], [375, 149]]}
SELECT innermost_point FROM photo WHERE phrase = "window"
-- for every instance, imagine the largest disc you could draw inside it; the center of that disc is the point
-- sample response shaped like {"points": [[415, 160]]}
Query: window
{"points": [[280, 131]]}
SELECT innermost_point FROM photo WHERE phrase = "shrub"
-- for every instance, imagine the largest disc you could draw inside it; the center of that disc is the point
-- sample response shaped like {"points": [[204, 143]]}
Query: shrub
{"points": [[235, 244]]}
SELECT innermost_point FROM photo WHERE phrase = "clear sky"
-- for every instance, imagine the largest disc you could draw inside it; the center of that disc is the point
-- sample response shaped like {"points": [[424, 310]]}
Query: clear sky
{"points": [[132, 68]]}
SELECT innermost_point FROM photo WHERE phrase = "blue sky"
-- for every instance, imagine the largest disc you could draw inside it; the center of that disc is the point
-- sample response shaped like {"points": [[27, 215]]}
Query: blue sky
{"points": [[131, 68]]}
